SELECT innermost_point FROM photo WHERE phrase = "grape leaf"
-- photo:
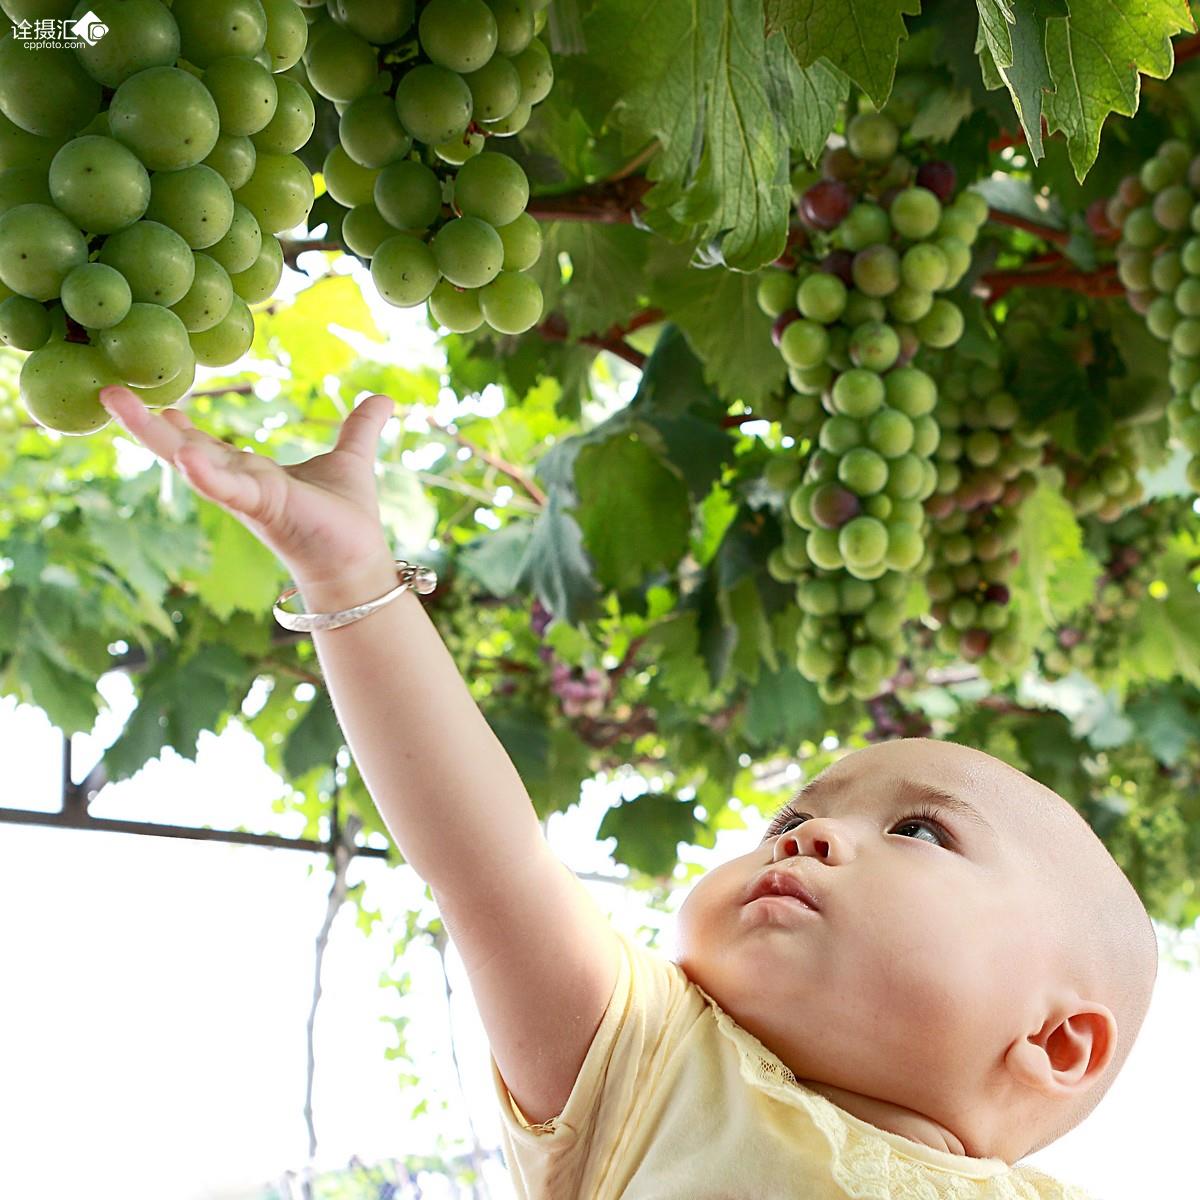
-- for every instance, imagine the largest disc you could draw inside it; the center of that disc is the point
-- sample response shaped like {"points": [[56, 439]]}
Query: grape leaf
{"points": [[861, 37], [1165, 635], [243, 573], [648, 830], [620, 482], [814, 97], [314, 740], [69, 700], [1166, 722], [1014, 32], [1095, 56]]}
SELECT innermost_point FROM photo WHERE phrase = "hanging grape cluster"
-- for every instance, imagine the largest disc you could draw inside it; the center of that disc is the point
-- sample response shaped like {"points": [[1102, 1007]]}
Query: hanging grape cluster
{"points": [[1158, 262], [582, 691], [883, 241], [419, 90], [985, 459], [1129, 548], [143, 177]]}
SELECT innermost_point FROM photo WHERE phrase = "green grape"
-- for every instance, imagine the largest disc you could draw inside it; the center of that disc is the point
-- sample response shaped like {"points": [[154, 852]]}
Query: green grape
{"points": [[876, 271], [141, 34], [173, 389], [341, 65], [241, 246], [492, 187], [906, 546], [458, 150], [820, 297], [195, 202], [512, 302], [906, 475], [958, 256], [45, 91], [863, 542], [408, 195], [522, 241], [514, 25], [433, 103], [468, 252], [536, 72], [377, 23], [244, 93], [292, 125], [804, 344], [1134, 266], [495, 89], [874, 345], [371, 133], [347, 182], [156, 261], [1185, 338], [872, 137], [890, 432], [287, 34], [1166, 271], [908, 305], [166, 117], [513, 123], [228, 339], [942, 326], [363, 229], [38, 248], [99, 184], [24, 323], [458, 310], [973, 205], [23, 185], [96, 295], [279, 193], [233, 159], [863, 471], [459, 35], [208, 299], [1161, 317], [926, 435], [916, 213], [259, 280], [212, 29], [1172, 207], [924, 267], [959, 225], [1141, 229], [1189, 256], [60, 385], [21, 149], [858, 393], [404, 270], [148, 346], [865, 225]]}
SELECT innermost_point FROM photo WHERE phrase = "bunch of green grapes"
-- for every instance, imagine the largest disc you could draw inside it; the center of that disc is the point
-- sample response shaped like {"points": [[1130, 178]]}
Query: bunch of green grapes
{"points": [[142, 181], [418, 95], [985, 460], [1158, 261], [1106, 485], [1129, 548], [883, 241]]}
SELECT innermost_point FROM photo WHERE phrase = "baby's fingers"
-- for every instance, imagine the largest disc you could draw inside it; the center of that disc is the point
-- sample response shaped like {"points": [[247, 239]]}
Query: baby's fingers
{"points": [[218, 472]]}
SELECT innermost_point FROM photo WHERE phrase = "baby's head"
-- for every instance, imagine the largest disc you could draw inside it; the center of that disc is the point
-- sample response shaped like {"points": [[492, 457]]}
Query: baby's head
{"points": [[990, 982]]}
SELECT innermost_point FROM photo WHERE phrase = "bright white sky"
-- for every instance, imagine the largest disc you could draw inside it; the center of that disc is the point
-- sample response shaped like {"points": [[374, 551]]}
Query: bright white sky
{"points": [[152, 1026], [156, 991]]}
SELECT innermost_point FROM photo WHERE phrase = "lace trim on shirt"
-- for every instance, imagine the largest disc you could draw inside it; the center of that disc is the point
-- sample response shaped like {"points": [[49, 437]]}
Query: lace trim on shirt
{"points": [[865, 1164]]}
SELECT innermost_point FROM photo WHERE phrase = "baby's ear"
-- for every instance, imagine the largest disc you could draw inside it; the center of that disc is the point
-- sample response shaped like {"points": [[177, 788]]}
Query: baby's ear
{"points": [[1069, 1053]]}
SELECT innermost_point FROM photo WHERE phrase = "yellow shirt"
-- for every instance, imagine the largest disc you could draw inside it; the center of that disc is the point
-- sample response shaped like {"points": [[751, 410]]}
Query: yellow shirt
{"points": [[675, 1101]]}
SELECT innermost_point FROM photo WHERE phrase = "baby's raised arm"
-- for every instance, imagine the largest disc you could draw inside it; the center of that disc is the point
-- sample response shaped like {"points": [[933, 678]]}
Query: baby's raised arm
{"points": [[541, 957]]}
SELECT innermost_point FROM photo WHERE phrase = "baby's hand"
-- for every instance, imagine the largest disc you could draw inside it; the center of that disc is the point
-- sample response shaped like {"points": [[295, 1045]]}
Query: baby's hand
{"points": [[320, 517]]}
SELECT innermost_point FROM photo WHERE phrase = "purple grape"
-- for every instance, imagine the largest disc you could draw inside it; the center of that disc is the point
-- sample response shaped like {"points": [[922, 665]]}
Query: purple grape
{"points": [[826, 204], [839, 263], [1069, 637], [781, 323], [939, 178], [997, 593]]}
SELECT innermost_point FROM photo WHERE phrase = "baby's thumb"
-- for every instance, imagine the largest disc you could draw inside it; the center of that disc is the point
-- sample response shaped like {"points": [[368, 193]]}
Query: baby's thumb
{"points": [[360, 430]]}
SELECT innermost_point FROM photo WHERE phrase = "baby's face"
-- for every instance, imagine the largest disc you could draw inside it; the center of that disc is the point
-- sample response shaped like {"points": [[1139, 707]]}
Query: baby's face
{"points": [[912, 976]]}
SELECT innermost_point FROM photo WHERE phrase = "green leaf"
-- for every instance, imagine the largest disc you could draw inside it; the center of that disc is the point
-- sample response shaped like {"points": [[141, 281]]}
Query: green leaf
{"points": [[648, 830], [177, 702], [783, 708], [940, 113], [69, 700], [724, 325], [496, 559], [673, 646], [1054, 569], [1165, 635], [1167, 724], [314, 740], [860, 37], [621, 482], [555, 567], [242, 574], [813, 99], [1095, 56]]}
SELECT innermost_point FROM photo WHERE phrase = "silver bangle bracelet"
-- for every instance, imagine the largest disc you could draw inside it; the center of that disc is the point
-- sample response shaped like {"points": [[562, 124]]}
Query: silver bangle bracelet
{"points": [[412, 576]]}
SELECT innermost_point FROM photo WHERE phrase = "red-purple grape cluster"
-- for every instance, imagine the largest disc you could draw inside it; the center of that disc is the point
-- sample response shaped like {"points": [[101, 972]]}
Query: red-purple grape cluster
{"points": [[891, 720], [881, 243], [1158, 261], [584, 692]]}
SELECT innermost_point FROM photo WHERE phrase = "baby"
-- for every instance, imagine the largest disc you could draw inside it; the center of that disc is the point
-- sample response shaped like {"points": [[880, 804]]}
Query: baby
{"points": [[928, 969]]}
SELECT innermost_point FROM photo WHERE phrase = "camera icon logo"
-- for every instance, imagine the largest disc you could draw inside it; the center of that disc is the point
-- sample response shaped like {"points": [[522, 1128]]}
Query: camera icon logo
{"points": [[90, 28]]}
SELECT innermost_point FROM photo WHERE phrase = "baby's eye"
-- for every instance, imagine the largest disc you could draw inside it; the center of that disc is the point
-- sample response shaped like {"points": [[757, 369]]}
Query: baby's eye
{"points": [[787, 821]]}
